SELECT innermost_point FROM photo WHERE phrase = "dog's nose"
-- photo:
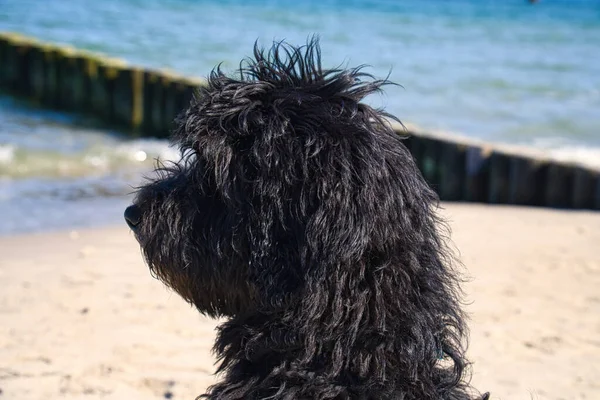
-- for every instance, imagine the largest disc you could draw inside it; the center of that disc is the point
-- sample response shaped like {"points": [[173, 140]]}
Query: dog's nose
{"points": [[133, 216]]}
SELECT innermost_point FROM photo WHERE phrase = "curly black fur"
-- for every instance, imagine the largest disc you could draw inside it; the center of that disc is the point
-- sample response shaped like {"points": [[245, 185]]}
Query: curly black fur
{"points": [[298, 214]]}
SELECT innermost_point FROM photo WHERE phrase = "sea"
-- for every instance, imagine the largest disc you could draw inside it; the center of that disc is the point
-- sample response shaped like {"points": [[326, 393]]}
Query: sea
{"points": [[510, 72]]}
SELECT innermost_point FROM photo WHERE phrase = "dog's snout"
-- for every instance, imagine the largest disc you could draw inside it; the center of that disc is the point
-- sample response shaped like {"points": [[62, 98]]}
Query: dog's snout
{"points": [[133, 216]]}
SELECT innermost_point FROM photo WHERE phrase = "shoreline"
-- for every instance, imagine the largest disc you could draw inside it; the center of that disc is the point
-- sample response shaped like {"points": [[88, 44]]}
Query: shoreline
{"points": [[83, 316], [146, 101]]}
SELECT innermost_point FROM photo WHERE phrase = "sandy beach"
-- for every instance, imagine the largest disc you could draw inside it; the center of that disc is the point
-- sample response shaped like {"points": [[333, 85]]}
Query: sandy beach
{"points": [[82, 317]]}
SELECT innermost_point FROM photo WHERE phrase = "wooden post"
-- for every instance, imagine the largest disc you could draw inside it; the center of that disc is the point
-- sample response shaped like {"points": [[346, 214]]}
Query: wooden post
{"points": [[153, 105], [527, 180], [102, 74], [127, 97], [4, 60], [37, 74], [173, 100], [16, 51], [452, 170], [597, 193], [416, 147], [477, 169], [559, 186], [499, 178], [72, 89], [429, 162], [584, 187], [190, 89], [51, 78]]}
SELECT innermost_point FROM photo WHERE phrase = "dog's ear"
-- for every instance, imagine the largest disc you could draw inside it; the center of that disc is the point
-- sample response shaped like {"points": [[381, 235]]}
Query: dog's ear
{"points": [[378, 278]]}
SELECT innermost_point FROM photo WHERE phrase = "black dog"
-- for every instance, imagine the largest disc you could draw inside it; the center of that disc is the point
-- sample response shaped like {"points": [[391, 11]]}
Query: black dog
{"points": [[297, 213]]}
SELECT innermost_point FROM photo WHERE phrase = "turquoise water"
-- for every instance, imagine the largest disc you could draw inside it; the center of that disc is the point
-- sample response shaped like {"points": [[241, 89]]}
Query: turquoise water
{"points": [[502, 71]]}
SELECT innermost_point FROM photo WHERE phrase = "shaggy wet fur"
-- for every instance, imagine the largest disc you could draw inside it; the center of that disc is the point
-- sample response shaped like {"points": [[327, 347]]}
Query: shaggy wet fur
{"points": [[298, 214]]}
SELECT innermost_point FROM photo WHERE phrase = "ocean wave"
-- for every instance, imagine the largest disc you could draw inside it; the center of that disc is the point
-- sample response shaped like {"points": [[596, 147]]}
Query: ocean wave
{"points": [[137, 155]]}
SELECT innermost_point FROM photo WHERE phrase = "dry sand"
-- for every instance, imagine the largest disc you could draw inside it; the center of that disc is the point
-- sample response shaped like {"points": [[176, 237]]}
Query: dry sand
{"points": [[82, 318]]}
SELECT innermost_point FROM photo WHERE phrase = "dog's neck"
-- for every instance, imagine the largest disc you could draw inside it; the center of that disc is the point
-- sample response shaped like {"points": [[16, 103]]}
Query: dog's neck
{"points": [[262, 357]]}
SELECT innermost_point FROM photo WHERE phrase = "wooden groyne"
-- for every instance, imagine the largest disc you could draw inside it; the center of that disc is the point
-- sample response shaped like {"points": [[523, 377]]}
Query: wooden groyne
{"points": [[144, 102]]}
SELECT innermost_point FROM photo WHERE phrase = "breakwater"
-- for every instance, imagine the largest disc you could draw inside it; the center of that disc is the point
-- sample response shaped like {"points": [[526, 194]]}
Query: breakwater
{"points": [[60, 77], [144, 102]]}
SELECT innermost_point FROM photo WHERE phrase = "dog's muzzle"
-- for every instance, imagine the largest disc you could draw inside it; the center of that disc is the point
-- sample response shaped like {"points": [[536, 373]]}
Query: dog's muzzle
{"points": [[133, 216]]}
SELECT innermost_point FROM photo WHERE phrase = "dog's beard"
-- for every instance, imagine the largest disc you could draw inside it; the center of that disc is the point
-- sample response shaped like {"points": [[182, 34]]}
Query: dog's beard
{"points": [[187, 239]]}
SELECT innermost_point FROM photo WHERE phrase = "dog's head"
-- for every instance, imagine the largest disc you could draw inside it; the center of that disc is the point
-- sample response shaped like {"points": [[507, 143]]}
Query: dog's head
{"points": [[286, 178], [297, 210]]}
